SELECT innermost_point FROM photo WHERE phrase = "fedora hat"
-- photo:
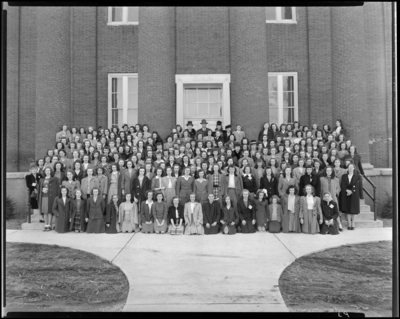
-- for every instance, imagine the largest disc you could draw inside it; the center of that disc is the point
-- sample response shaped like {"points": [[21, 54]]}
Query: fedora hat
{"points": [[203, 121], [189, 123], [219, 123]]}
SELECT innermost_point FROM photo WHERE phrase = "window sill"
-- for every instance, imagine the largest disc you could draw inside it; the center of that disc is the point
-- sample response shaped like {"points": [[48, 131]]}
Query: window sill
{"points": [[281, 22], [115, 24]]}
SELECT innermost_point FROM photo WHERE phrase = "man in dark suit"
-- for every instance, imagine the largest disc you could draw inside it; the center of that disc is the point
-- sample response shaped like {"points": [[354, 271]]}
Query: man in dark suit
{"points": [[192, 131], [204, 129]]}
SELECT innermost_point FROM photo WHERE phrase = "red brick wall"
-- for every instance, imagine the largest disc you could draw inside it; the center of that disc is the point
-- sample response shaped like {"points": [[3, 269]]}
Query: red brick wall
{"points": [[202, 40], [83, 63], [157, 105], [376, 84], [320, 65], [287, 52], [12, 86], [249, 73], [53, 75], [349, 74], [117, 52]]}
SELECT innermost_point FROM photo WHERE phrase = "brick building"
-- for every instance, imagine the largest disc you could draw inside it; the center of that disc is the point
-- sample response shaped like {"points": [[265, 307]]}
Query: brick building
{"points": [[84, 66]]}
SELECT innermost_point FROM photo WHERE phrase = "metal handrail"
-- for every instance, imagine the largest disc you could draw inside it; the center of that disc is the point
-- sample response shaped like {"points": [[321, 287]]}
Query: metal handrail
{"points": [[29, 206], [373, 198]]}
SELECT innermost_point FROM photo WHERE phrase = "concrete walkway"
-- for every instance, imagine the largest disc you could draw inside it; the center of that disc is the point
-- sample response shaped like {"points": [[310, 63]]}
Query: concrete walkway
{"points": [[214, 273]]}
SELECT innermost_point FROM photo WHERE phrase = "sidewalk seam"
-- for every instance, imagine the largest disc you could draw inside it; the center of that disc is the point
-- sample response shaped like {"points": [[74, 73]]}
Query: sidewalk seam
{"points": [[285, 247], [133, 235]]}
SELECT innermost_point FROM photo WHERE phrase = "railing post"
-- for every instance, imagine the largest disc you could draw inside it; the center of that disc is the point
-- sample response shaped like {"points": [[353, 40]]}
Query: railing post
{"points": [[375, 212], [29, 206]]}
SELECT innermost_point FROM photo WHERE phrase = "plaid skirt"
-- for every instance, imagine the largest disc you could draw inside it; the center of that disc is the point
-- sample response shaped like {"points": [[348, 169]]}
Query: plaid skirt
{"points": [[176, 231], [77, 221]]}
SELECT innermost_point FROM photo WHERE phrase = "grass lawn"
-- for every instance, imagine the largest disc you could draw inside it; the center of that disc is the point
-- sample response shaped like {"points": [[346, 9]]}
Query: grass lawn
{"points": [[351, 278], [19, 218], [53, 278]]}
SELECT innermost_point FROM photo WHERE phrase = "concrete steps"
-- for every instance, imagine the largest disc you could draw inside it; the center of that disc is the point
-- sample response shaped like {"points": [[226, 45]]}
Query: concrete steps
{"points": [[365, 219]]}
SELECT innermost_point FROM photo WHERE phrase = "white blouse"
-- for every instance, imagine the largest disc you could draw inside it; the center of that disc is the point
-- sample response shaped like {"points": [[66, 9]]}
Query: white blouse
{"points": [[310, 202]]}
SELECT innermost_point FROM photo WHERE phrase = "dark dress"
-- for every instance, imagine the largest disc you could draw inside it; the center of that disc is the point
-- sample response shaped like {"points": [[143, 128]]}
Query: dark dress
{"points": [[329, 211], [228, 216], [95, 212], [78, 215], [111, 218], [270, 185], [351, 204], [247, 214], [140, 191], [306, 179], [30, 179], [250, 184], [211, 214], [62, 213]]}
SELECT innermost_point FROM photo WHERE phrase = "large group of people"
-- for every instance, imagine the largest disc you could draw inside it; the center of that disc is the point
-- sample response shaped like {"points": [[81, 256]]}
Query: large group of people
{"points": [[291, 179]]}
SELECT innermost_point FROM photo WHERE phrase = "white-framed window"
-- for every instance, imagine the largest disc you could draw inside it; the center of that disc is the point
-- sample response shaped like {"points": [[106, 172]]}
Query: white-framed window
{"points": [[203, 96], [283, 97], [123, 15], [280, 14], [122, 99]]}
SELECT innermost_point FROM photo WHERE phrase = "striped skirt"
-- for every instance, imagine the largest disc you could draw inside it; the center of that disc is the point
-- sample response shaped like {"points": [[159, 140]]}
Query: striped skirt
{"points": [[176, 231]]}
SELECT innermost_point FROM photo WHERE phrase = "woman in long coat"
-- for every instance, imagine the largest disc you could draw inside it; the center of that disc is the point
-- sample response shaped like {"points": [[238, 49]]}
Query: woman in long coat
{"points": [[193, 217], [328, 182], [169, 183], [215, 184], [270, 183], [285, 181], [146, 217], [310, 212], [48, 190], [290, 203], [95, 213], [330, 213], [112, 216], [355, 157], [102, 181], [230, 217], [247, 213], [127, 175], [274, 215], [128, 217], [62, 211], [176, 217], [351, 193], [31, 181], [235, 192], [89, 183], [78, 213], [140, 185], [298, 172], [184, 186], [308, 178], [159, 210], [114, 182], [261, 206], [211, 215]]}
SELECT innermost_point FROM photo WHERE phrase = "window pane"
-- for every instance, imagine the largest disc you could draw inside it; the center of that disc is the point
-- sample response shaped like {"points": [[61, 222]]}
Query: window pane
{"points": [[274, 116], [288, 98], [215, 95], [215, 109], [286, 13], [116, 85], [133, 14], [191, 109], [288, 115], [132, 84], [132, 117], [116, 15], [117, 117], [202, 109], [133, 101], [288, 83], [191, 95], [116, 100], [270, 13], [273, 100], [272, 83], [202, 95]]}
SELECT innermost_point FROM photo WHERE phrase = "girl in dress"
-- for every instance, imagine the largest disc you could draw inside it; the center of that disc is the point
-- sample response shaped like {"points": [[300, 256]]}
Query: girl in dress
{"points": [[95, 213], [310, 211], [159, 210], [78, 213], [249, 181], [176, 217], [247, 213], [290, 203], [70, 184], [274, 216], [113, 179], [261, 205], [184, 186], [128, 215], [230, 217], [285, 181], [48, 189], [146, 217], [169, 183], [298, 172], [200, 187]]}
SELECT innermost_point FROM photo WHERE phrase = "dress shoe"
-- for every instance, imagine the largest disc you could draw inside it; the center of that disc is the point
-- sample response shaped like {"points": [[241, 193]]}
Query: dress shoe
{"points": [[340, 229], [348, 228]]}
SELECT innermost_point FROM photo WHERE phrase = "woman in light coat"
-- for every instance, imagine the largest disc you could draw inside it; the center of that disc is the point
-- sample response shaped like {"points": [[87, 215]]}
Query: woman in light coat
{"points": [[310, 212], [290, 203], [193, 215], [285, 181], [128, 215], [169, 183], [88, 183], [127, 176]]}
